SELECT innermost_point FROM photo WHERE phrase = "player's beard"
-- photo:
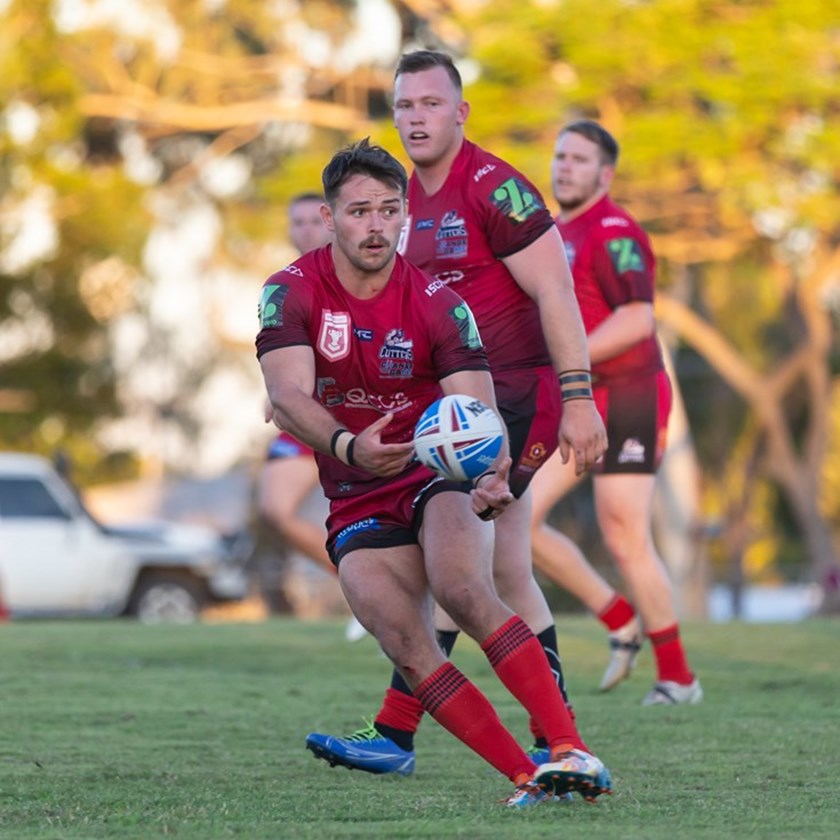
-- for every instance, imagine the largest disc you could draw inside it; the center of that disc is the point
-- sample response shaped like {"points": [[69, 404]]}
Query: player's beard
{"points": [[584, 196]]}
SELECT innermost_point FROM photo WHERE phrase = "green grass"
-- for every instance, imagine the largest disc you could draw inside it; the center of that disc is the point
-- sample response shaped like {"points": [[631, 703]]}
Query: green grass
{"points": [[111, 729]]}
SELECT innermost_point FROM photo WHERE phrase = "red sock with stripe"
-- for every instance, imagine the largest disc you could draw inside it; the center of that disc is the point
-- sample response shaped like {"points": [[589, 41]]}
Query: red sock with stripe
{"points": [[518, 659], [617, 613], [671, 662], [457, 705]]}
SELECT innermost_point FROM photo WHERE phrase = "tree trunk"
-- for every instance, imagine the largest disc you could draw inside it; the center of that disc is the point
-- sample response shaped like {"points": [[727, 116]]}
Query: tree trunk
{"points": [[677, 518]]}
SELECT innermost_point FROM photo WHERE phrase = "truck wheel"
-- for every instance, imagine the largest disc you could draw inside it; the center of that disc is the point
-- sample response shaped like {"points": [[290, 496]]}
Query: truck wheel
{"points": [[167, 598]]}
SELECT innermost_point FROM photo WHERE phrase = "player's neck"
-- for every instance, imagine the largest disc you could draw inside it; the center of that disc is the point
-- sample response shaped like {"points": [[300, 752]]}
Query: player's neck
{"points": [[433, 175], [574, 212], [361, 284]]}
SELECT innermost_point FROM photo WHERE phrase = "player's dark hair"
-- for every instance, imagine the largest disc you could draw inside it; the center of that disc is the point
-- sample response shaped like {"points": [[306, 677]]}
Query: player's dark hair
{"points": [[419, 60], [597, 134], [362, 158], [305, 196]]}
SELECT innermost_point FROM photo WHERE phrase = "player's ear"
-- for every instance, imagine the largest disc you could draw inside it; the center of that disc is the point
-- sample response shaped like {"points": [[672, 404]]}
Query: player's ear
{"points": [[463, 112], [605, 177], [327, 217]]}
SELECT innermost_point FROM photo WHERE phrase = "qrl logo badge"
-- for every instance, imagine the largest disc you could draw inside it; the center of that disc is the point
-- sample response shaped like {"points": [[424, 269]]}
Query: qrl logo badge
{"points": [[334, 335]]}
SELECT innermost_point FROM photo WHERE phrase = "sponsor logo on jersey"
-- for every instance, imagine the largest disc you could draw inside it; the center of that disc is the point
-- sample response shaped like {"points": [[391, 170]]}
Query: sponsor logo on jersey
{"points": [[632, 452], [272, 299], [424, 224], [534, 457], [334, 335], [435, 286], [451, 236], [447, 277], [328, 392], [516, 200], [485, 170], [396, 355], [614, 221], [293, 269], [383, 403], [467, 328], [625, 255], [369, 524], [363, 335]]}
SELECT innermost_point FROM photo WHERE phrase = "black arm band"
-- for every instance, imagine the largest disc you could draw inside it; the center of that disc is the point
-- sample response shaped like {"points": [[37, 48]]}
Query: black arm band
{"points": [[334, 439], [349, 453]]}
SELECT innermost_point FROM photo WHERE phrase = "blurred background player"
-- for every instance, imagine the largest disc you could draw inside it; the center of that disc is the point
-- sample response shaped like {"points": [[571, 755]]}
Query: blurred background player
{"points": [[289, 479], [614, 269]]}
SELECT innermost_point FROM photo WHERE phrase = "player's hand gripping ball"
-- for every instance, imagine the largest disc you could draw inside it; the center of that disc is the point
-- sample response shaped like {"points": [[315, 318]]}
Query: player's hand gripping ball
{"points": [[458, 437]]}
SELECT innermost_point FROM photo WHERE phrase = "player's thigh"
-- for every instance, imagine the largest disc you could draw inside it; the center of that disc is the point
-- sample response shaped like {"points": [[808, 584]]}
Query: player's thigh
{"points": [[552, 481], [387, 588], [624, 502], [285, 484], [512, 548], [457, 545]]}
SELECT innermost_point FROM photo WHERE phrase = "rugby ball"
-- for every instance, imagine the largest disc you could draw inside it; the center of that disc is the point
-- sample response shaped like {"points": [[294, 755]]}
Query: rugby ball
{"points": [[459, 437]]}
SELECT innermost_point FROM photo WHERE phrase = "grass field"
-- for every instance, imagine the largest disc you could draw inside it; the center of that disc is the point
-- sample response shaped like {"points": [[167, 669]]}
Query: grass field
{"points": [[112, 729]]}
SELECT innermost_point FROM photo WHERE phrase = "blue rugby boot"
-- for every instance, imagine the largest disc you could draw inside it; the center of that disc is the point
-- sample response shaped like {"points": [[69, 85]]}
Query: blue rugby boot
{"points": [[365, 749]]}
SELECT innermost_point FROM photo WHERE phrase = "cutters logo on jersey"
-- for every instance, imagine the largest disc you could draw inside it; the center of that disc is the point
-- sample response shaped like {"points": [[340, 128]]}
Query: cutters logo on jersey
{"points": [[516, 200], [334, 335], [396, 356], [451, 236]]}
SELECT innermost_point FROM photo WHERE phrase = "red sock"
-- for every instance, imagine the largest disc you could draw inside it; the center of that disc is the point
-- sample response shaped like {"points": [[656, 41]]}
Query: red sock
{"points": [[671, 663], [518, 659], [617, 613], [457, 705], [400, 711], [4, 613]]}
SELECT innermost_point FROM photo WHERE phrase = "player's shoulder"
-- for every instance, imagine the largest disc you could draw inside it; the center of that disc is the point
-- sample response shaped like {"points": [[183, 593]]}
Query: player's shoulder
{"points": [[483, 166], [303, 273], [612, 221], [426, 288]]}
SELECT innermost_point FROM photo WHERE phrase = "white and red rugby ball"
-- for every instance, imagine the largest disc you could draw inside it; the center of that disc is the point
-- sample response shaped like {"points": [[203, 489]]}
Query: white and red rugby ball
{"points": [[459, 437]]}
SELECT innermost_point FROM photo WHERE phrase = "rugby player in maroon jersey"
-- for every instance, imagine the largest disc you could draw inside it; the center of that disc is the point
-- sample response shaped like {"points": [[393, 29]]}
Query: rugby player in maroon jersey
{"points": [[478, 226], [614, 270], [354, 343]]}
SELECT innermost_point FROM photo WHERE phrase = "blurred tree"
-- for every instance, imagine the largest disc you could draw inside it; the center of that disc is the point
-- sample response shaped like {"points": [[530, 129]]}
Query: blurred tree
{"points": [[729, 117]]}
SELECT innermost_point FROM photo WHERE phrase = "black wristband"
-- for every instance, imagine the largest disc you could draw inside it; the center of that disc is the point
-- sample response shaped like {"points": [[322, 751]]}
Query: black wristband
{"points": [[334, 439], [575, 385], [487, 514], [483, 475], [349, 453]]}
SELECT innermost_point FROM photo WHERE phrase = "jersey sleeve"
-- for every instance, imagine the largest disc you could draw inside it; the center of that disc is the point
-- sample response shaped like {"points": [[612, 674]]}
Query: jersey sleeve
{"points": [[512, 210], [453, 334], [624, 267], [284, 313]]}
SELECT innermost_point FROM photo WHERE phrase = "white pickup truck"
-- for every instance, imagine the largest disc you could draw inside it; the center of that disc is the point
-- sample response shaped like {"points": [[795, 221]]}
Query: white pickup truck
{"points": [[56, 560]]}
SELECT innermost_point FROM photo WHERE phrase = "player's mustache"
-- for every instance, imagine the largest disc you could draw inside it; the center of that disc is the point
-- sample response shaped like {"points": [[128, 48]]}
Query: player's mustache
{"points": [[376, 240]]}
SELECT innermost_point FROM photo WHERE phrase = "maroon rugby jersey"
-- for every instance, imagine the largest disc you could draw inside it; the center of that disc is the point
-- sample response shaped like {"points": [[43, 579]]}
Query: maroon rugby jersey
{"points": [[484, 211], [612, 264], [384, 354]]}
